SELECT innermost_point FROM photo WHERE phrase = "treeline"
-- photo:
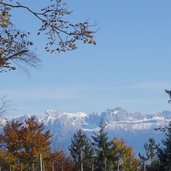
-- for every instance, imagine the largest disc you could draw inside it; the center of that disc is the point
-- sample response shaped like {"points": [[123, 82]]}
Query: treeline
{"points": [[100, 154], [157, 157], [26, 147]]}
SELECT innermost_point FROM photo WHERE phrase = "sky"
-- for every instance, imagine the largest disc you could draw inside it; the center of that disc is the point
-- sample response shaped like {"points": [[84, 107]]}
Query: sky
{"points": [[129, 67]]}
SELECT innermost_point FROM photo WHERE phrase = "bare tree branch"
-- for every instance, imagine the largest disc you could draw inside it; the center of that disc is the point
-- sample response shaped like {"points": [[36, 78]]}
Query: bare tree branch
{"points": [[4, 105], [61, 35]]}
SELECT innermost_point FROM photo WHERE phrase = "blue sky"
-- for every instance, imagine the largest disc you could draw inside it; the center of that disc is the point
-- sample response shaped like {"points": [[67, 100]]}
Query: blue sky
{"points": [[129, 66]]}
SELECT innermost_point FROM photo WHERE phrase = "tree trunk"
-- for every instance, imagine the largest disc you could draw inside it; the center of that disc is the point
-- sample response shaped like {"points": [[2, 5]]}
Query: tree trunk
{"points": [[21, 167], [81, 166], [118, 165], [92, 167], [53, 166], [105, 164], [62, 167], [41, 166], [33, 166], [144, 166]]}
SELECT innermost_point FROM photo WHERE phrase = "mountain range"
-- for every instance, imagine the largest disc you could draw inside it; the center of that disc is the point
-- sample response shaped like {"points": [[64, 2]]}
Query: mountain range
{"points": [[135, 128]]}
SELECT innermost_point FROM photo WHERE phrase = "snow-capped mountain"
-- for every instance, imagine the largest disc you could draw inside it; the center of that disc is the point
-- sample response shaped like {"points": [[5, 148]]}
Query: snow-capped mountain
{"points": [[135, 128], [3, 121]]}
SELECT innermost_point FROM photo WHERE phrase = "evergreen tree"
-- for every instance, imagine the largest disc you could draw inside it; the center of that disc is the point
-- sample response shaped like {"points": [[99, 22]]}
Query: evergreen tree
{"points": [[151, 154], [102, 149], [165, 151], [81, 151]]}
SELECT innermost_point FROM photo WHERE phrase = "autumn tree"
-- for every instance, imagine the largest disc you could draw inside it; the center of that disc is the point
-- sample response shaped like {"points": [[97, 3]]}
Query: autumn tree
{"points": [[10, 145], [62, 35], [81, 151], [24, 142], [7, 160], [124, 158], [59, 161]]}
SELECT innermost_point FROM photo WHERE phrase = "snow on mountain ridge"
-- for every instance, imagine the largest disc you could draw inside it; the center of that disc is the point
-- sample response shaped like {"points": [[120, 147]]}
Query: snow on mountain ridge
{"points": [[111, 116], [119, 123]]}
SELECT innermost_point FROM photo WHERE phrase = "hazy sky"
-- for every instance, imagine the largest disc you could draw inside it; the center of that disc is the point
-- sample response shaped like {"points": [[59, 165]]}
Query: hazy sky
{"points": [[129, 67]]}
